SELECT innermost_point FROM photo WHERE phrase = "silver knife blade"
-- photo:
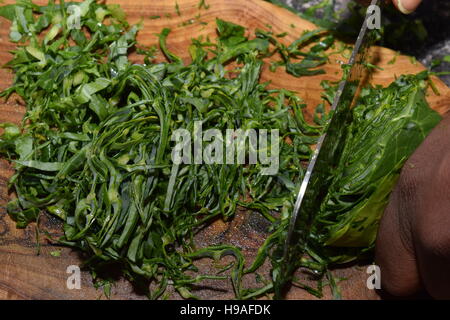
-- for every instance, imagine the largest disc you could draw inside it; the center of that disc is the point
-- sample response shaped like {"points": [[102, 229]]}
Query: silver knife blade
{"points": [[325, 157]]}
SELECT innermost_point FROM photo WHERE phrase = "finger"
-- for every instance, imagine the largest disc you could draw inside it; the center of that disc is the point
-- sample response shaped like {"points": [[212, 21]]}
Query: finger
{"points": [[407, 6], [394, 251]]}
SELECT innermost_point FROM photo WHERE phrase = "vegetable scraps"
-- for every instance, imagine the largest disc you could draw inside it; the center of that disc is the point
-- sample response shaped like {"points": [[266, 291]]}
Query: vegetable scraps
{"points": [[94, 148]]}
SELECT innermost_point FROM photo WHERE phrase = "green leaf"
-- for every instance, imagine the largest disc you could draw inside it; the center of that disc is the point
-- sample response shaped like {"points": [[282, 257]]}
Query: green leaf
{"points": [[22, 217], [304, 39], [24, 146], [38, 54], [87, 90], [44, 166], [230, 34], [163, 45], [8, 11], [304, 68]]}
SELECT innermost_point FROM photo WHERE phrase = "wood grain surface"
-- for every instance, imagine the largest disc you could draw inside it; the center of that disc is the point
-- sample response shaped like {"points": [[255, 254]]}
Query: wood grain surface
{"points": [[26, 275]]}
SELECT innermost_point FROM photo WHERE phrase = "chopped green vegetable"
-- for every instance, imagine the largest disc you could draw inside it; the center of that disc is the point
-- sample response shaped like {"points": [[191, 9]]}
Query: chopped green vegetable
{"points": [[203, 4], [311, 59], [56, 253], [394, 58], [95, 147], [177, 9]]}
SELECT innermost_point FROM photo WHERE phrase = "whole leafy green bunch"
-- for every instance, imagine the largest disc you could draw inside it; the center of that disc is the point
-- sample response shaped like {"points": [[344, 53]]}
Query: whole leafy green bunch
{"points": [[388, 125], [373, 155]]}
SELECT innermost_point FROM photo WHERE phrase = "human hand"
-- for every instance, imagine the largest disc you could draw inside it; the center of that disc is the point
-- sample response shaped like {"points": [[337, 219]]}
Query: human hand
{"points": [[406, 6], [413, 244]]}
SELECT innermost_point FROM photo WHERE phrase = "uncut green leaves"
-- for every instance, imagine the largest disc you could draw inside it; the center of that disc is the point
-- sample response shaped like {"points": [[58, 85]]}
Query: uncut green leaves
{"points": [[388, 125]]}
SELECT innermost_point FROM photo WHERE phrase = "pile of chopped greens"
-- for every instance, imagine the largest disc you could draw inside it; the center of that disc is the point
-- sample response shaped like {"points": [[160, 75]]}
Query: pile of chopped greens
{"points": [[94, 147]]}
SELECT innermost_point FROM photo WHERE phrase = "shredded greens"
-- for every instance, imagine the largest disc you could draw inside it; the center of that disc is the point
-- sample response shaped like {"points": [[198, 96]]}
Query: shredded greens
{"points": [[94, 148]]}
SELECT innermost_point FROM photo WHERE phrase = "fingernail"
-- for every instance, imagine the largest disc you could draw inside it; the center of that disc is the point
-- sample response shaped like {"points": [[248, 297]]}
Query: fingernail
{"points": [[405, 7]]}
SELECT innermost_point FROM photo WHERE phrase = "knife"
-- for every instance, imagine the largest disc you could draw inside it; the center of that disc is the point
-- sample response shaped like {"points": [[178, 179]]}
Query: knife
{"points": [[325, 158]]}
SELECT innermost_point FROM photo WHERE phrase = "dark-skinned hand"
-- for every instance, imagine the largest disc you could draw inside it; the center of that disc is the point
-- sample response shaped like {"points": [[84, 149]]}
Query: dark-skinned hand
{"points": [[413, 244]]}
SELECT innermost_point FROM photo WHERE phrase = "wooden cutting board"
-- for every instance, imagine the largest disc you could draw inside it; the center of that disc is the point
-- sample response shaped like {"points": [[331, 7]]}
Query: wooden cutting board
{"points": [[26, 275]]}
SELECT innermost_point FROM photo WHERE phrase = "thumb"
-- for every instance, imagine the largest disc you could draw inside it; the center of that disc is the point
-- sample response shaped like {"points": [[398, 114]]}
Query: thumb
{"points": [[407, 6]]}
